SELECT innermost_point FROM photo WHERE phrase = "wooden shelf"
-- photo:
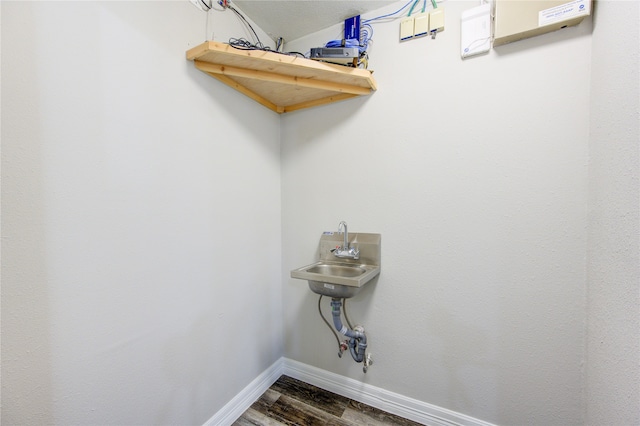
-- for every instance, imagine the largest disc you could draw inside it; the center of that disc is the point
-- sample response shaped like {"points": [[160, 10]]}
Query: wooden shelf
{"points": [[282, 83]]}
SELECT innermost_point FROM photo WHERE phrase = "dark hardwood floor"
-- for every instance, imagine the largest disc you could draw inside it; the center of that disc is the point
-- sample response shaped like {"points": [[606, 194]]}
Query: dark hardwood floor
{"points": [[292, 402]]}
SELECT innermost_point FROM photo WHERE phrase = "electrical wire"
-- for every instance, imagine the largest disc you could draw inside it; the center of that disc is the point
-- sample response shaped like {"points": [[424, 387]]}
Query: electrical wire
{"points": [[413, 7], [244, 44], [241, 16], [366, 29], [279, 44], [389, 14], [366, 33], [351, 42]]}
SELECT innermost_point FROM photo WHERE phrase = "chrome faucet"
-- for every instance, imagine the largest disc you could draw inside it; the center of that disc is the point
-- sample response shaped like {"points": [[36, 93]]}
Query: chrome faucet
{"points": [[345, 251], [342, 227]]}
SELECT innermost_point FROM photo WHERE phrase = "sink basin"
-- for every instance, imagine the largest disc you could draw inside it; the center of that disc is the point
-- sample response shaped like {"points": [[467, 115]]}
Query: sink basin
{"points": [[342, 278], [337, 270], [334, 279]]}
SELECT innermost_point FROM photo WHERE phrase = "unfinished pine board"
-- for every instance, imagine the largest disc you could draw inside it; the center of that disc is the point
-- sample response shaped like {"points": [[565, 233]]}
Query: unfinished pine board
{"points": [[282, 83]]}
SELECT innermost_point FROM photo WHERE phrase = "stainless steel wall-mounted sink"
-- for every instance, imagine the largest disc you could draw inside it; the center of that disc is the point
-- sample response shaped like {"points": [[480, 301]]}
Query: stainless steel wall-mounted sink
{"points": [[342, 278]]}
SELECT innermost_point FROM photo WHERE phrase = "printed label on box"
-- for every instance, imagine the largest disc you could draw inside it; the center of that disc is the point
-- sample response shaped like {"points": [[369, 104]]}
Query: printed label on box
{"points": [[563, 12]]}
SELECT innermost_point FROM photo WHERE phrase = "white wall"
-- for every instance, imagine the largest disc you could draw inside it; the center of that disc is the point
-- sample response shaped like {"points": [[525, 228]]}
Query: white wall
{"points": [[140, 219], [135, 189], [475, 174], [613, 367]]}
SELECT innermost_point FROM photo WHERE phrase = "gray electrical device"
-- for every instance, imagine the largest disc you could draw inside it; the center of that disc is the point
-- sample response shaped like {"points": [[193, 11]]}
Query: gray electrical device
{"points": [[335, 54]]}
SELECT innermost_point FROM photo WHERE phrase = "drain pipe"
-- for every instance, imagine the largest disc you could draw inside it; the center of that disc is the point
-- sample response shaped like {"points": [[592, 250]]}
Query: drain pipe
{"points": [[358, 340]]}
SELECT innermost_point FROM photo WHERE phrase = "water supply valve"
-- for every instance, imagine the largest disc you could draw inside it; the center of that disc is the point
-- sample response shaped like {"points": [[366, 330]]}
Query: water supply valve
{"points": [[343, 347], [368, 361]]}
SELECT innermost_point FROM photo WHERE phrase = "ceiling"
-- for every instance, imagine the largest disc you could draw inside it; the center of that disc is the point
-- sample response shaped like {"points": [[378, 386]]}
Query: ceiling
{"points": [[292, 19]]}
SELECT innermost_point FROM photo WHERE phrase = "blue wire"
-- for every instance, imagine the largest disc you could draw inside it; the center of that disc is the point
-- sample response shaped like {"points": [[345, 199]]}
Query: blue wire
{"points": [[367, 30], [413, 7], [389, 14], [352, 42], [366, 34], [365, 37]]}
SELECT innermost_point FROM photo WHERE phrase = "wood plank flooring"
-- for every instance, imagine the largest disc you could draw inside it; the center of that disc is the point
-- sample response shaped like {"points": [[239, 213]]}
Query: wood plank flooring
{"points": [[292, 402]]}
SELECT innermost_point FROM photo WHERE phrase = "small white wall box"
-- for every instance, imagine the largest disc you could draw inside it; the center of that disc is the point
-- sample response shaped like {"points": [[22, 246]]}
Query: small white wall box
{"points": [[475, 31], [519, 19]]}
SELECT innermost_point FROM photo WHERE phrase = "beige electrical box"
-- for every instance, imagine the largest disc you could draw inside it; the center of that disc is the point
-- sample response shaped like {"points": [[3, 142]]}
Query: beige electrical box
{"points": [[519, 19]]}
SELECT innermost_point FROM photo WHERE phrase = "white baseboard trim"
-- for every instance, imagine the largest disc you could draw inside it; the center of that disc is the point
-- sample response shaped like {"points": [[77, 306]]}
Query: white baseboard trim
{"points": [[391, 402], [247, 396]]}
